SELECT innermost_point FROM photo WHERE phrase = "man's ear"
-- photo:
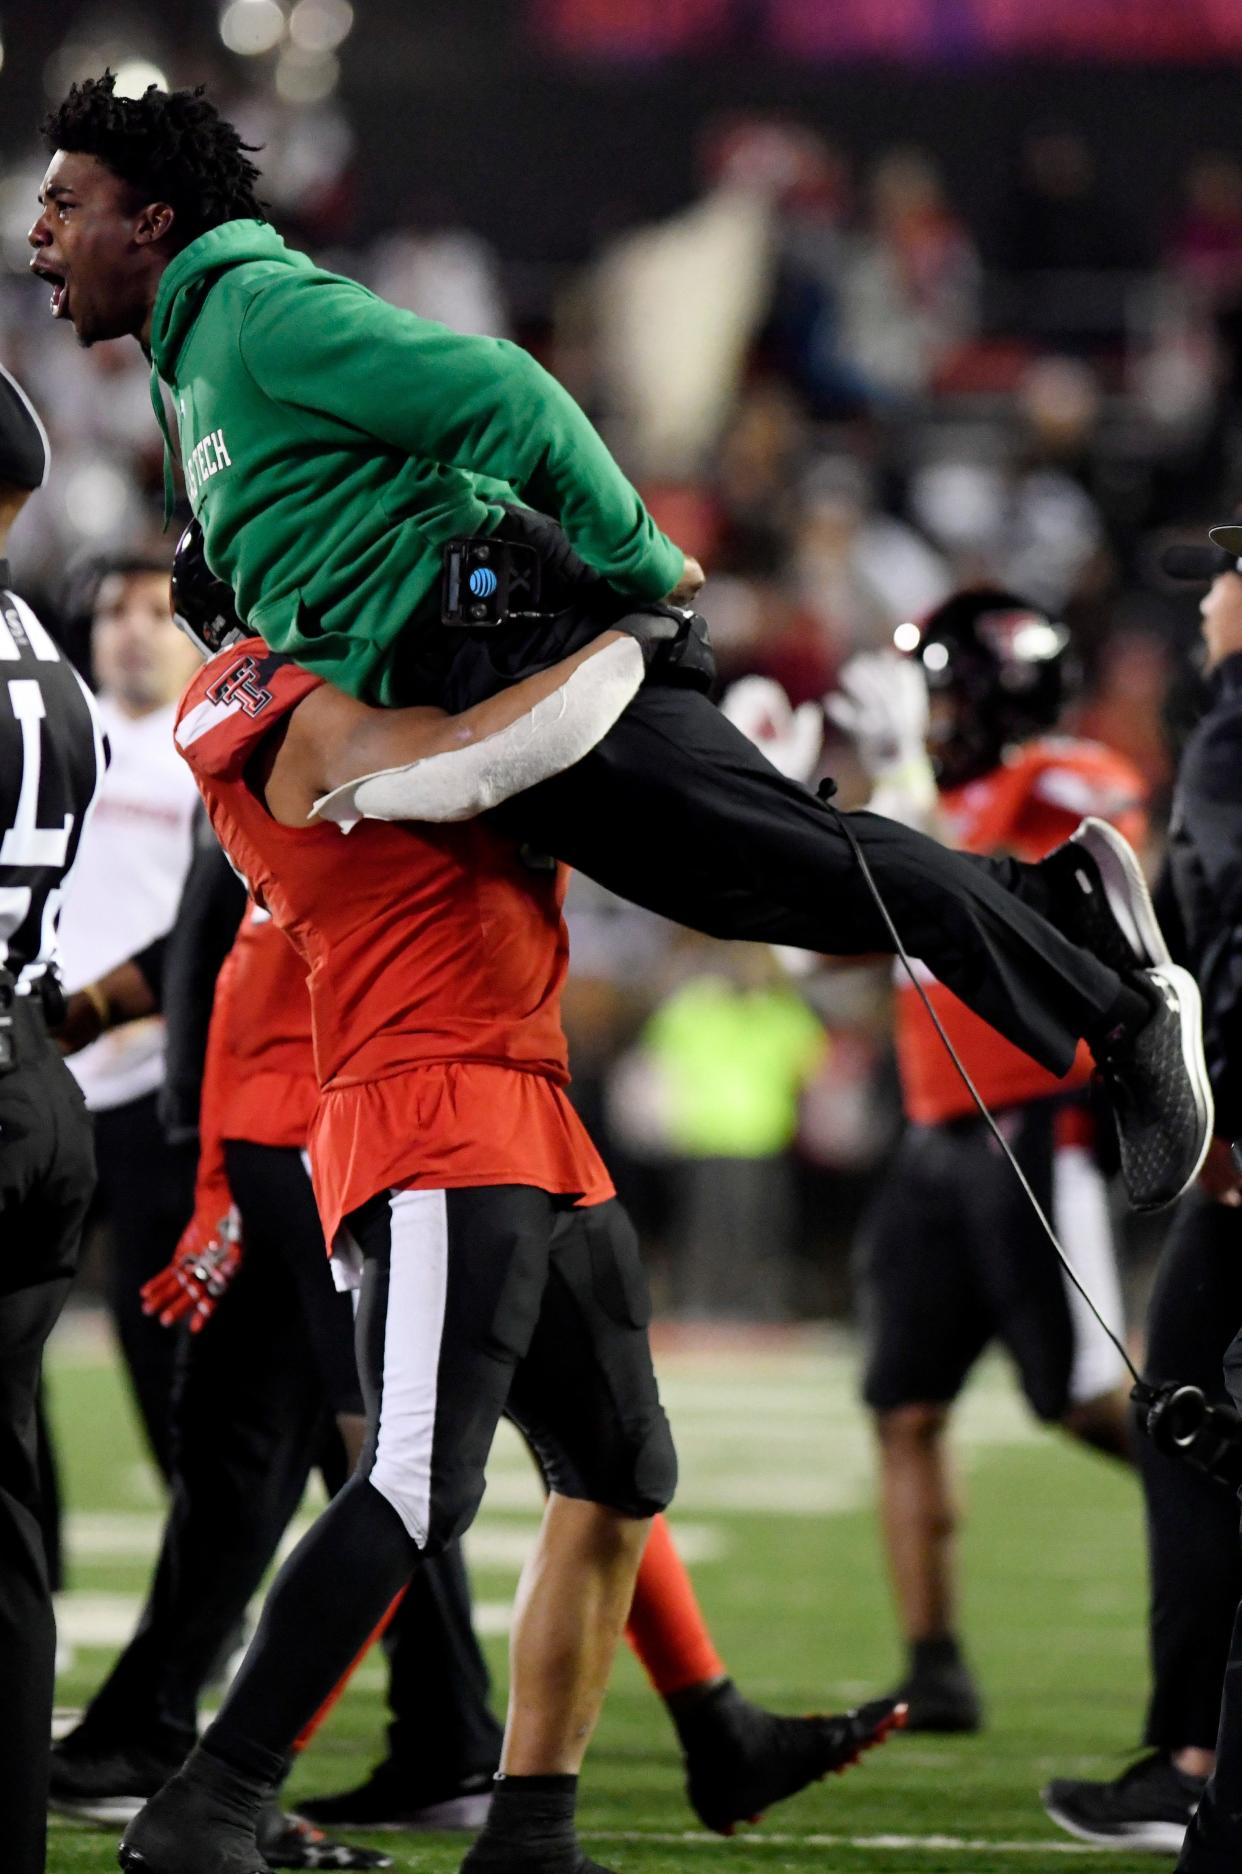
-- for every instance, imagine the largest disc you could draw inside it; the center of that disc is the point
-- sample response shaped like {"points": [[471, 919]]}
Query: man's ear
{"points": [[154, 222]]}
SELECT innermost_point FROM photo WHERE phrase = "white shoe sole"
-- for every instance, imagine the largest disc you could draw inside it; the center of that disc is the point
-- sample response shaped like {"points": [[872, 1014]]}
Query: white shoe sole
{"points": [[460, 1812], [1146, 1837], [101, 1809], [1125, 890], [1190, 1015]]}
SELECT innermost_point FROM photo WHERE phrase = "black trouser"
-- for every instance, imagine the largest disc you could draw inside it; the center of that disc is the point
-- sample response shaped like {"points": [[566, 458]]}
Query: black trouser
{"points": [[1195, 1563], [258, 1394], [1214, 1839], [677, 811], [474, 1302], [46, 1174], [146, 1193]]}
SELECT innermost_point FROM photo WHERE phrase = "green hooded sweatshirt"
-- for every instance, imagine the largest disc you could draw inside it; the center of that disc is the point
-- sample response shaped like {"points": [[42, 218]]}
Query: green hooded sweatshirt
{"points": [[331, 444]]}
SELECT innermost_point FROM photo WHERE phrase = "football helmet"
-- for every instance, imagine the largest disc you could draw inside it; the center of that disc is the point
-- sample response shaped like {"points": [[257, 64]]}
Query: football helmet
{"points": [[999, 670], [202, 604]]}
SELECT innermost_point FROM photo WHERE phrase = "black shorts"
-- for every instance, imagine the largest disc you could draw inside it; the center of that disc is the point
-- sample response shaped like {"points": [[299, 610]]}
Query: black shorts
{"points": [[952, 1257], [498, 1301]]}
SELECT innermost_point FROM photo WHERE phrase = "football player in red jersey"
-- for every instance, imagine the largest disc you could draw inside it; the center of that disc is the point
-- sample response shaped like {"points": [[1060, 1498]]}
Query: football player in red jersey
{"points": [[457, 1187], [953, 1258]]}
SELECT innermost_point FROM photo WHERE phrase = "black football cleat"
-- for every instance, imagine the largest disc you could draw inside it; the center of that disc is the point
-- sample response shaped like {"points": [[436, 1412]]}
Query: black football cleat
{"points": [[492, 1857], [1102, 900], [740, 1759], [1156, 1081], [291, 1841], [197, 1824], [943, 1699], [1149, 1806], [98, 1782], [393, 1798]]}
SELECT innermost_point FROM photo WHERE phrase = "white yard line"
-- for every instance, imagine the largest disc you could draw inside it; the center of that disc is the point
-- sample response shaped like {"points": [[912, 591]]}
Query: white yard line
{"points": [[900, 1844]]}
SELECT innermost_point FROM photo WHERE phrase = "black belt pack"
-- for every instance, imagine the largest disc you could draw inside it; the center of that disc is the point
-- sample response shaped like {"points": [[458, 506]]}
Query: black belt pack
{"points": [[487, 582]]}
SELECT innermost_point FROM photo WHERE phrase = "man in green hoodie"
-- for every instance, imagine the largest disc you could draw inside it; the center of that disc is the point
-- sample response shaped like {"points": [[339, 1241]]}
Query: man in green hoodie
{"points": [[333, 447]]}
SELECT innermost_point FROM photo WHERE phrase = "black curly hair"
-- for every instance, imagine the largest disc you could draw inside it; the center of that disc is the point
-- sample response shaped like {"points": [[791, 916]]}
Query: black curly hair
{"points": [[169, 146]]}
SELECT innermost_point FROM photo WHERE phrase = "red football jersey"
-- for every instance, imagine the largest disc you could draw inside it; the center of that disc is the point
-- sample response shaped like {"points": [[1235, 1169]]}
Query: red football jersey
{"points": [[259, 1074], [1026, 806], [261, 1022], [435, 959]]}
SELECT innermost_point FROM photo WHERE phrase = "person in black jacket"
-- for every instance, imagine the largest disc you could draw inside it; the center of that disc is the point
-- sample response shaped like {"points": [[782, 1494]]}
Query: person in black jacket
{"points": [[52, 761], [1196, 1305], [1207, 859]]}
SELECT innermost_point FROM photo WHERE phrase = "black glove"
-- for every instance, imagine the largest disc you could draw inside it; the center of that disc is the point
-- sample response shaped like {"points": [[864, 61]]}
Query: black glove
{"points": [[676, 645], [653, 627]]}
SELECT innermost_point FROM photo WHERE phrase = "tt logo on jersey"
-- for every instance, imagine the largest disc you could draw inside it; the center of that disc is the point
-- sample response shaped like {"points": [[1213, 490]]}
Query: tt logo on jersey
{"points": [[204, 460], [241, 685]]}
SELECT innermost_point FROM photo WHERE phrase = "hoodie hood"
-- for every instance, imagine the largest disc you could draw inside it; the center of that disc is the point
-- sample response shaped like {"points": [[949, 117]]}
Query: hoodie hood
{"points": [[189, 278], [185, 285]]}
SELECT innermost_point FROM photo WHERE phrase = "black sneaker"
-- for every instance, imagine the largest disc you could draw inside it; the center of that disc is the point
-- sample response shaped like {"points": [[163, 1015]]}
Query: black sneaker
{"points": [[496, 1859], [1102, 900], [196, 1825], [941, 1698], [393, 1798], [1157, 1084], [98, 1782], [741, 1759], [293, 1841], [1149, 1806]]}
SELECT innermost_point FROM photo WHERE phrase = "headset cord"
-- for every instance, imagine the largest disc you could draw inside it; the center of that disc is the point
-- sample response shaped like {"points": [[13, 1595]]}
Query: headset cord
{"points": [[843, 822]]}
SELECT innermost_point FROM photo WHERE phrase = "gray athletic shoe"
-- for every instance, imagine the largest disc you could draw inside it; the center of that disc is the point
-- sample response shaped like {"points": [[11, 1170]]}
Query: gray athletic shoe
{"points": [[1157, 1084], [1103, 904], [1149, 1806]]}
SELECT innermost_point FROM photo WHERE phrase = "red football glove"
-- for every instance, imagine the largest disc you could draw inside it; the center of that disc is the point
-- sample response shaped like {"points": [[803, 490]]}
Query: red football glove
{"points": [[205, 1262]]}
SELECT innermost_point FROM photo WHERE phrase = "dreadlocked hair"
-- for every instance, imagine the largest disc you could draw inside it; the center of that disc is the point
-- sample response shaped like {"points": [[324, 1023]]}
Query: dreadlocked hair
{"points": [[170, 146]]}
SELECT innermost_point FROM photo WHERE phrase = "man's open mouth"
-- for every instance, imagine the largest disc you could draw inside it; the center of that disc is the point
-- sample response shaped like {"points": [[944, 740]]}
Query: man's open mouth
{"points": [[60, 290]]}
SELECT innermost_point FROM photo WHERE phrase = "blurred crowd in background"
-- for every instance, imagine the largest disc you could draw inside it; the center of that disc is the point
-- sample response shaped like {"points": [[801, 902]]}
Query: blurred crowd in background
{"points": [[846, 400]]}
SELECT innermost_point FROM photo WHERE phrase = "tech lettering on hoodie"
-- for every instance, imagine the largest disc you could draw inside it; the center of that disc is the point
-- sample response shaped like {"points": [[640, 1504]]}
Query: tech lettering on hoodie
{"points": [[207, 457]]}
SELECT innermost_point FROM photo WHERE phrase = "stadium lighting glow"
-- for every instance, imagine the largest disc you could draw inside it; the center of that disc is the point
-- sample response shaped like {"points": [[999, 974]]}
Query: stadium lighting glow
{"points": [[935, 657], [305, 77], [320, 25], [252, 27], [134, 75], [906, 637]]}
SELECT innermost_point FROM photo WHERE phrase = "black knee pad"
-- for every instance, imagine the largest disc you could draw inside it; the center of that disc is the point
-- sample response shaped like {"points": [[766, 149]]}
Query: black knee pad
{"points": [[643, 1478], [633, 1472]]}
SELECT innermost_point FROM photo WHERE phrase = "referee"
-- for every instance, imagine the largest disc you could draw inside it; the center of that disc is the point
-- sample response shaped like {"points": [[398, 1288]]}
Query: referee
{"points": [[52, 759]]}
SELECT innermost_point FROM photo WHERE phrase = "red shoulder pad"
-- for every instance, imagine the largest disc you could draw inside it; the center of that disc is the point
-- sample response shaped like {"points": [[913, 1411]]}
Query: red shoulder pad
{"points": [[234, 701], [1080, 777]]}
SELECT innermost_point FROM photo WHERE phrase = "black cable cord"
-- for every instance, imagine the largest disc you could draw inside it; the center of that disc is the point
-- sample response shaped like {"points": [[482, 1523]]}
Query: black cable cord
{"points": [[968, 1083]]}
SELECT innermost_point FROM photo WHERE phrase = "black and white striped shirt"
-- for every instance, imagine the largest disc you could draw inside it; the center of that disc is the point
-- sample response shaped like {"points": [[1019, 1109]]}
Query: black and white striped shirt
{"points": [[52, 759]]}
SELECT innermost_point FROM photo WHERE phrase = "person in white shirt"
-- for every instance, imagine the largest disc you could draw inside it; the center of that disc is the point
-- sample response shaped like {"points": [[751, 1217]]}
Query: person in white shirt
{"points": [[126, 888]]}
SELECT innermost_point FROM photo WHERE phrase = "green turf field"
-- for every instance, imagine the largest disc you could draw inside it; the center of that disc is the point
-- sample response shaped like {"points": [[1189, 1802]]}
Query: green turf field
{"points": [[774, 1515]]}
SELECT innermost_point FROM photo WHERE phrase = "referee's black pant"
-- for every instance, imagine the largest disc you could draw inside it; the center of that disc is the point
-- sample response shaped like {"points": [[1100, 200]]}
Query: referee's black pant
{"points": [[47, 1170]]}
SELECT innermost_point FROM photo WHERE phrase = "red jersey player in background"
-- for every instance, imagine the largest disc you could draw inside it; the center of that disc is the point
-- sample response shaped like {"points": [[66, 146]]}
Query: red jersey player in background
{"points": [[953, 1258]]}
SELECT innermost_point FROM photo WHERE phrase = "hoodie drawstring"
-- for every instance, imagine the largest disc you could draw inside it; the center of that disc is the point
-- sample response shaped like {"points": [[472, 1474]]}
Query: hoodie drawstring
{"points": [[161, 417]]}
